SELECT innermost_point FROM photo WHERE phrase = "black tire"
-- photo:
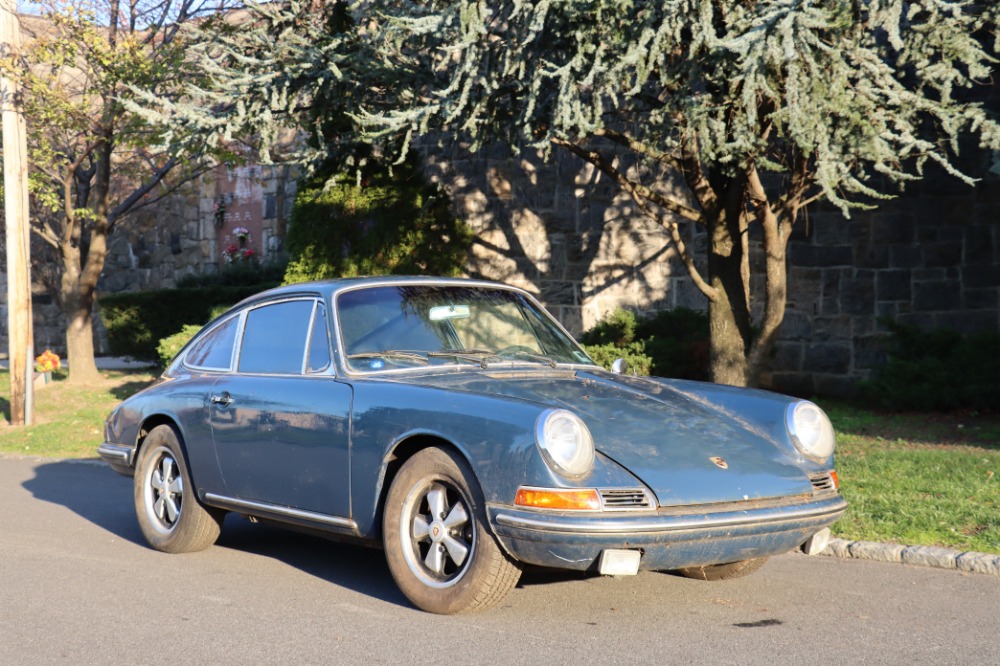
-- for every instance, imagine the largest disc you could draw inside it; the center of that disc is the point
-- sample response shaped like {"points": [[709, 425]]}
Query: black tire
{"points": [[722, 571], [451, 564], [170, 516]]}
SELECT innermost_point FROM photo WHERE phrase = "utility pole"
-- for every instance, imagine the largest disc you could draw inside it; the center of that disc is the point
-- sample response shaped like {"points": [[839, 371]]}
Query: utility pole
{"points": [[15, 180]]}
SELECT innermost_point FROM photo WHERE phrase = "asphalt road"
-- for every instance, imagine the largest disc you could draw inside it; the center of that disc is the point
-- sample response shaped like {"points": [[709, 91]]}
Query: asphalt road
{"points": [[77, 585]]}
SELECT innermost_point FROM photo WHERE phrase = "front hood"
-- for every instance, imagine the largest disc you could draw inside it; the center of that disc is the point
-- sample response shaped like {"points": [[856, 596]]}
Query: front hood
{"points": [[666, 438]]}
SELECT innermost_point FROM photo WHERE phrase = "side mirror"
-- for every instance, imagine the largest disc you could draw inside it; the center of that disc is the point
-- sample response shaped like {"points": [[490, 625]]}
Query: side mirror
{"points": [[620, 366]]}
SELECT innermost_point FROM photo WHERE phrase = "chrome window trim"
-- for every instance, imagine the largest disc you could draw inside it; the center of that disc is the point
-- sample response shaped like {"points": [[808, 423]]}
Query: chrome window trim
{"points": [[343, 368], [245, 312], [318, 303]]}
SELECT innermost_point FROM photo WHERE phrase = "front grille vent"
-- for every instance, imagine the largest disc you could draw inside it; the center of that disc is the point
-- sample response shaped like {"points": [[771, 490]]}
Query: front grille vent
{"points": [[822, 483], [626, 499]]}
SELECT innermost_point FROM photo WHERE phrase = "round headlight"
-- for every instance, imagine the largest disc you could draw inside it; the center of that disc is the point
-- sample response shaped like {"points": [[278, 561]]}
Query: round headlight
{"points": [[565, 442], [810, 430]]}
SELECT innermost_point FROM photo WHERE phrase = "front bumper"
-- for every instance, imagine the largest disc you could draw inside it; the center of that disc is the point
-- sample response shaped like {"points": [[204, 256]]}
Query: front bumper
{"points": [[119, 457], [669, 538]]}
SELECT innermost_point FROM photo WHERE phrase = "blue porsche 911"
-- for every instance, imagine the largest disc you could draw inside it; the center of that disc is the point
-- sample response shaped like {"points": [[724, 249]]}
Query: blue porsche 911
{"points": [[458, 426]]}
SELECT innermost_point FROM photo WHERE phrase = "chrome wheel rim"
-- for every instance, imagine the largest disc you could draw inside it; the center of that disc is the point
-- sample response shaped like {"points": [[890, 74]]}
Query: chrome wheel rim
{"points": [[437, 533], [163, 491]]}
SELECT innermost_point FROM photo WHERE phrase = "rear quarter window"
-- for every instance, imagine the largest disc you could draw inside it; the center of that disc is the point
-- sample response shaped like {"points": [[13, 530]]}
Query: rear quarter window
{"points": [[214, 350]]}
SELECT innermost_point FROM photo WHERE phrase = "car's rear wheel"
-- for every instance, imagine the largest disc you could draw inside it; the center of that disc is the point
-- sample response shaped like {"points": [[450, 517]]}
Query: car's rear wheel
{"points": [[723, 571], [439, 549], [170, 516]]}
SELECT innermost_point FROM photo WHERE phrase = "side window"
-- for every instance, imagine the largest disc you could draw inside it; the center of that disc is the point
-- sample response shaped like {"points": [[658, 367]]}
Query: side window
{"points": [[214, 351], [274, 338], [319, 342]]}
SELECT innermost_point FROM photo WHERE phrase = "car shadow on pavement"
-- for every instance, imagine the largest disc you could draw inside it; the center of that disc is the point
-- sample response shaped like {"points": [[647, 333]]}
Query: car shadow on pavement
{"points": [[92, 491], [350, 566]]}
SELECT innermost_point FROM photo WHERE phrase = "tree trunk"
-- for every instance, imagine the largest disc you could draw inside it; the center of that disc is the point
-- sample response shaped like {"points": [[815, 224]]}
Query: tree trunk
{"points": [[80, 346], [78, 309], [730, 330]]}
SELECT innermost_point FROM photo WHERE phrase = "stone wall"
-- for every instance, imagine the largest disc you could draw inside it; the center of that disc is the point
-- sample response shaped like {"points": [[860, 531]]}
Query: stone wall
{"points": [[930, 258], [184, 234], [564, 232]]}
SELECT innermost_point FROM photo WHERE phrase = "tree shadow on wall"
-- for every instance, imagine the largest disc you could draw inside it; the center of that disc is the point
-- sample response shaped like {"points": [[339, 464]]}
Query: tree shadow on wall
{"points": [[561, 229]]}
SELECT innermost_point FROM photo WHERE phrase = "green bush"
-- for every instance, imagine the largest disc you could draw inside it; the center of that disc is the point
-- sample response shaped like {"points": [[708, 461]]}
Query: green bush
{"points": [[390, 224], [137, 321], [171, 345], [671, 343], [936, 370]]}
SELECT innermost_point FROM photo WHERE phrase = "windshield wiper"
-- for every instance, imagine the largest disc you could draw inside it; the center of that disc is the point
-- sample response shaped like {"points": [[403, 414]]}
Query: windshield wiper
{"points": [[475, 355], [509, 353], [391, 354]]}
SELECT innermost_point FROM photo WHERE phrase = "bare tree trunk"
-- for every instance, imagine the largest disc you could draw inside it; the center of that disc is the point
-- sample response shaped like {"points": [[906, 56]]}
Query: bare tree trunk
{"points": [[80, 345], [77, 294], [730, 331]]}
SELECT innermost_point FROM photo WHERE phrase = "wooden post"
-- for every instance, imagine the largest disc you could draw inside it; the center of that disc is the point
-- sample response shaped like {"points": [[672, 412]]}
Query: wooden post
{"points": [[15, 177]]}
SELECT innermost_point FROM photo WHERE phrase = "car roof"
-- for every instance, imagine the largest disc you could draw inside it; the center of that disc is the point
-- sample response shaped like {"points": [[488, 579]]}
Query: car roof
{"points": [[326, 288]]}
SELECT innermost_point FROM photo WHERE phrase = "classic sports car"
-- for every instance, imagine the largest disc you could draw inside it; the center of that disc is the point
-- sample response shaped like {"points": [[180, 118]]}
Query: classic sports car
{"points": [[459, 426]]}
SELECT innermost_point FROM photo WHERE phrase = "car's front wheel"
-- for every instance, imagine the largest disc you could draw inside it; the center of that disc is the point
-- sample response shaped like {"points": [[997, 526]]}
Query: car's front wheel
{"points": [[439, 549], [170, 516], [723, 571]]}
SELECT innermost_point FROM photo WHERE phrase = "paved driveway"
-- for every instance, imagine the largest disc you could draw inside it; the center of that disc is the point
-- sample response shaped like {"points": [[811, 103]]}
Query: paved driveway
{"points": [[78, 586]]}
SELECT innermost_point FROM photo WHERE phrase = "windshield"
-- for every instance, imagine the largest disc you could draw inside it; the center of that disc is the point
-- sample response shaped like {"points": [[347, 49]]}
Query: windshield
{"points": [[405, 326]]}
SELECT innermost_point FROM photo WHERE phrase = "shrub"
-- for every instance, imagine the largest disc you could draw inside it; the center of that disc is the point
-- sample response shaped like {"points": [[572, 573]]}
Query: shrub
{"points": [[936, 370], [605, 355], [390, 224], [171, 345], [137, 321], [671, 343]]}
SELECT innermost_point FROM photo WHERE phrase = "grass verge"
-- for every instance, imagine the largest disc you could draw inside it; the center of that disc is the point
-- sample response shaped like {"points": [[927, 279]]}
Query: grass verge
{"points": [[68, 420], [917, 479]]}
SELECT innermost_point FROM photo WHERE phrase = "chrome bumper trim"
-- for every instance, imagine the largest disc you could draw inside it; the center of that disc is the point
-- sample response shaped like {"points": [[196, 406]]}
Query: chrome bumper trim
{"points": [[285, 511], [662, 522], [115, 453]]}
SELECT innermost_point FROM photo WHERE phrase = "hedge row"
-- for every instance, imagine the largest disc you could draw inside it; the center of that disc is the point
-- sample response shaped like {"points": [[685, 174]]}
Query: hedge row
{"points": [[137, 321], [936, 370]]}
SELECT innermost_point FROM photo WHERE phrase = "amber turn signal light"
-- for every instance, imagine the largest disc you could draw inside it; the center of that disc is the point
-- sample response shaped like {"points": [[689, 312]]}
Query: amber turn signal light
{"points": [[567, 500], [836, 480]]}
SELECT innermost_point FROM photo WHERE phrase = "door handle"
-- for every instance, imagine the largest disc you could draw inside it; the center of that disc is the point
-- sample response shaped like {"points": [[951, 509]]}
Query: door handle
{"points": [[225, 399]]}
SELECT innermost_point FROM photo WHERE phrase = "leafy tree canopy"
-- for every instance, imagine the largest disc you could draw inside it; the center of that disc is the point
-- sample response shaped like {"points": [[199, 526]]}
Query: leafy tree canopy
{"points": [[762, 106], [92, 162]]}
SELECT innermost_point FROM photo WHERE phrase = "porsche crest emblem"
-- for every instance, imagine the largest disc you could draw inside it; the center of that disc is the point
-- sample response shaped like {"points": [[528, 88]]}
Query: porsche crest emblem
{"points": [[719, 462]]}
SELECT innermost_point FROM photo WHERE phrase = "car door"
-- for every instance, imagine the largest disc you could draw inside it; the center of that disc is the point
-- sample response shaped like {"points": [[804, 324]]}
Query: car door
{"points": [[281, 421]]}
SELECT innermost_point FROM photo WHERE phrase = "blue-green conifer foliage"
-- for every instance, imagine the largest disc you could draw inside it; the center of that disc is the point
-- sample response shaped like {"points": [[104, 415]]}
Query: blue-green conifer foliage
{"points": [[762, 107]]}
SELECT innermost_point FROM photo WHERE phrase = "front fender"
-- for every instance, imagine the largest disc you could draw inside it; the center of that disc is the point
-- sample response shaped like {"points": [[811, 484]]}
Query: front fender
{"points": [[495, 435]]}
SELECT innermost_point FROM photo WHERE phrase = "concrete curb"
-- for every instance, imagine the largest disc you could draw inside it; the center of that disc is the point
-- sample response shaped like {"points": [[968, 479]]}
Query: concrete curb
{"points": [[924, 556]]}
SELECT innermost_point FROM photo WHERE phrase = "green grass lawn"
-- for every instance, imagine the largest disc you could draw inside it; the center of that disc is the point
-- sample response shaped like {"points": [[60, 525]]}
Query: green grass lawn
{"points": [[918, 479], [68, 420]]}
